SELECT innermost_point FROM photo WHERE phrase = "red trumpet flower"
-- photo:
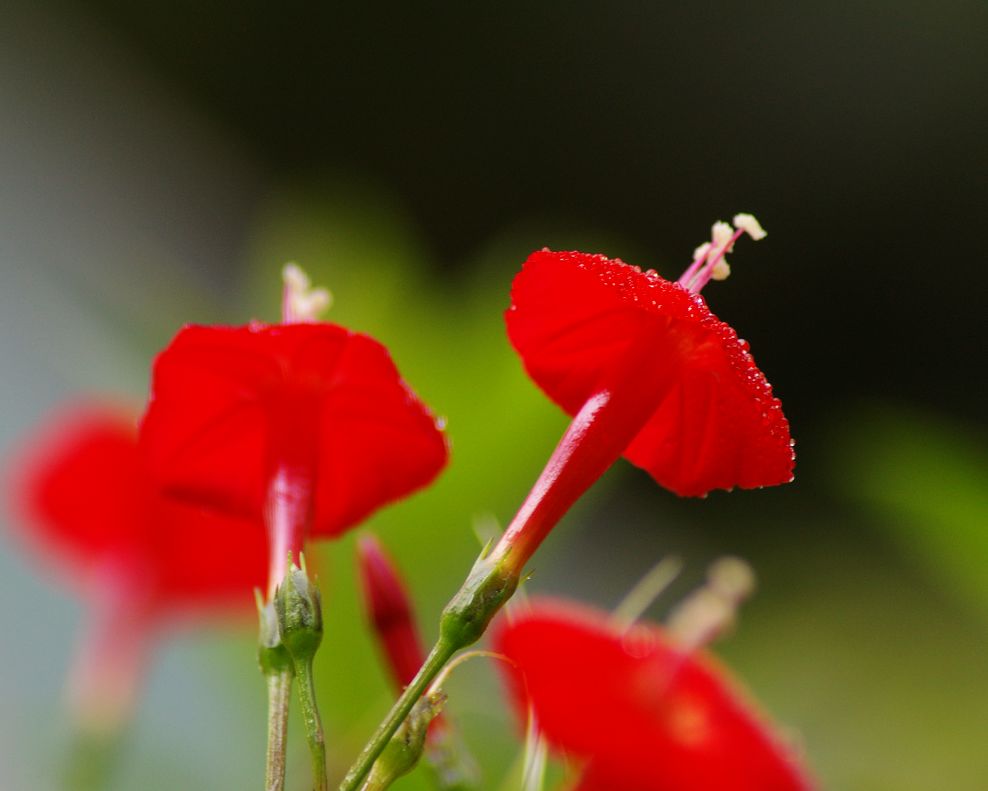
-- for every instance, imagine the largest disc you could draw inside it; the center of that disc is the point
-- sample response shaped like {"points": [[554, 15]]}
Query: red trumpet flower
{"points": [[640, 710], [648, 372], [86, 503], [306, 423]]}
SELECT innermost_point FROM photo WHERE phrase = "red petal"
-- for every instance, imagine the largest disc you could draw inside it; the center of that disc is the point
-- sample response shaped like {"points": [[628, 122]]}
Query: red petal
{"points": [[643, 714], [85, 498], [573, 318], [204, 558], [77, 490], [229, 402]]}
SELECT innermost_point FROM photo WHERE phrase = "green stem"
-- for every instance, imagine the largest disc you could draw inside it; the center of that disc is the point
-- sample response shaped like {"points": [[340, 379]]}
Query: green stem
{"points": [[279, 695], [463, 621], [375, 783], [91, 761], [313, 724], [441, 653]]}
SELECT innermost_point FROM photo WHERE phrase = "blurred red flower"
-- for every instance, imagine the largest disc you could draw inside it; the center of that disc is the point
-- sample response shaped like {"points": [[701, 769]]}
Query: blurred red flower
{"points": [[308, 425], [85, 502], [638, 711]]}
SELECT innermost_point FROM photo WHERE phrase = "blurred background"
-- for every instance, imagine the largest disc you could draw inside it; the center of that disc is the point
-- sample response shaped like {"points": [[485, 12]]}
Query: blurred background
{"points": [[161, 161]]}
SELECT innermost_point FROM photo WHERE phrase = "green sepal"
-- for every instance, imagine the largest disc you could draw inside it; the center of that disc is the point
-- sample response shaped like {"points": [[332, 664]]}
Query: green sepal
{"points": [[488, 586], [272, 656]]}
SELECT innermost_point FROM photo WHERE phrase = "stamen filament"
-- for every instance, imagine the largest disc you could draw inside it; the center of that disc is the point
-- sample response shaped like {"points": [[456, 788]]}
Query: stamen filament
{"points": [[646, 591], [703, 274]]}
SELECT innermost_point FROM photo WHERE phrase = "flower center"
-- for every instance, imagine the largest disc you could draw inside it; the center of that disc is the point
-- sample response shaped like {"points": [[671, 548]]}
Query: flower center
{"points": [[709, 262]]}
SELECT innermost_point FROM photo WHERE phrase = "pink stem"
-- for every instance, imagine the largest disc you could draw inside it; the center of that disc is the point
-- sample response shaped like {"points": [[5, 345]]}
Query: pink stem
{"points": [[287, 314], [595, 439], [692, 269], [287, 515], [108, 670]]}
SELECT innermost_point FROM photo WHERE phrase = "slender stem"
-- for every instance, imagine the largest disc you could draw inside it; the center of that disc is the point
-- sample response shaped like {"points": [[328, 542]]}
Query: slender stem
{"points": [[645, 592], [279, 694], [441, 653], [106, 677], [313, 725], [91, 761]]}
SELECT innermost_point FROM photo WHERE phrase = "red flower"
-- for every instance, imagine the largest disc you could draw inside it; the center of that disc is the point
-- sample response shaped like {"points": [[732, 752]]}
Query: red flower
{"points": [[642, 713], [649, 373], [85, 500], [86, 504], [308, 424], [585, 324]]}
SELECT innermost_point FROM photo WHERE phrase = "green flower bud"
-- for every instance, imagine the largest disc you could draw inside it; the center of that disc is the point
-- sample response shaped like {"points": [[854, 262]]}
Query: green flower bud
{"points": [[299, 614], [405, 749]]}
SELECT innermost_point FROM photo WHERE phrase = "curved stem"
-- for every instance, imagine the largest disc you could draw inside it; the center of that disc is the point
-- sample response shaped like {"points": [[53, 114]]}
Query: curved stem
{"points": [[441, 653], [279, 694], [313, 725]]}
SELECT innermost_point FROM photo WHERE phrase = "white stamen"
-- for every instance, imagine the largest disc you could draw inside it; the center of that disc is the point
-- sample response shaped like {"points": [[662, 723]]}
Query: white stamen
{"points": [[709, 612], [732, 578], [721, 234], [721, 270], [709, 261], [295, 278], [646, 591], [301, 302], [751, 226]]}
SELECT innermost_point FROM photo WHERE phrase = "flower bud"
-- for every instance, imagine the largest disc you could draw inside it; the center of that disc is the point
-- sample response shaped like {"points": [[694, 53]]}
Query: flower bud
{"points": [[405, 749]]}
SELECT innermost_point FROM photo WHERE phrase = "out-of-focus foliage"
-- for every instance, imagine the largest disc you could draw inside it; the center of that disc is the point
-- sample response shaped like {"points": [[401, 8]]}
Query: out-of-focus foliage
{"points": [[926, 478]]}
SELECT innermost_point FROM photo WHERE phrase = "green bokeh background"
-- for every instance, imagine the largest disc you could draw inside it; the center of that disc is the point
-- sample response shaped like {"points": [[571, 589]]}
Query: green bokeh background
{"points": [[161, 162]]}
